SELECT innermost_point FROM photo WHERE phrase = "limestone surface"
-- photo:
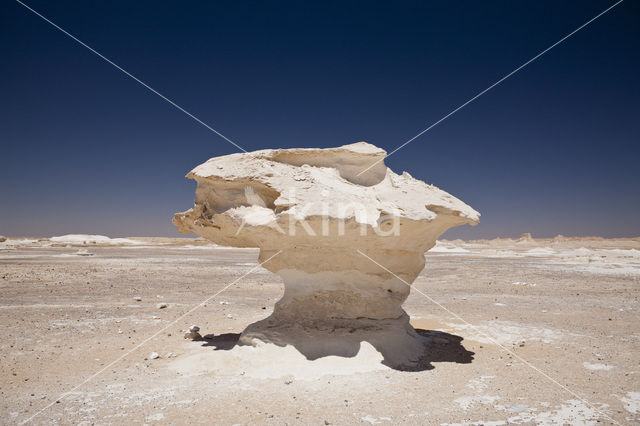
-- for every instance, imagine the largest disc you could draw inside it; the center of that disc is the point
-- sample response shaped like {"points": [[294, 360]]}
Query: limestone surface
{"points": [[346, 234]]}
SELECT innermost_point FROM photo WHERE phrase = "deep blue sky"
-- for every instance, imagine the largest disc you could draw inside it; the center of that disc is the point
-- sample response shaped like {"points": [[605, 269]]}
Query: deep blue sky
{"points": [[554, 149]]}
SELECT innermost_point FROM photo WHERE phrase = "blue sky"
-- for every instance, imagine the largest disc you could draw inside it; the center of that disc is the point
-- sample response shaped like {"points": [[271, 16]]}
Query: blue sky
{"points": [[554, 149]]}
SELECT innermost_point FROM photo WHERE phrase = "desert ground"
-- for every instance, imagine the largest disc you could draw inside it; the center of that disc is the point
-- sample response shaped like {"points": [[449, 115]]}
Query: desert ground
{"points": [[528, 331]]}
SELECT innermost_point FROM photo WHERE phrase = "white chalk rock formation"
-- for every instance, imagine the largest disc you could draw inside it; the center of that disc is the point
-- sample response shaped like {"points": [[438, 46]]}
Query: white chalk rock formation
{"points": [[325, 222]]}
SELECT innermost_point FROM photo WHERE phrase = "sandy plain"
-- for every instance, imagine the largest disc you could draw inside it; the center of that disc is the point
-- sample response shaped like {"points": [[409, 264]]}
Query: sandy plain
{"points": [[521, 332]]}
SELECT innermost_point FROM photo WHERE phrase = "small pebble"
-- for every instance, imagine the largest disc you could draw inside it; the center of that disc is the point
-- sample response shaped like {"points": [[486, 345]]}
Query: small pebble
{"points": [[154, 355], [138, 299], [161, 305]]}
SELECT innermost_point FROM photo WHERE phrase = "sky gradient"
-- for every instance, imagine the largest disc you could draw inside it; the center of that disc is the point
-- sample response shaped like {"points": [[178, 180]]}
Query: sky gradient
{"points": [[552, 150]]}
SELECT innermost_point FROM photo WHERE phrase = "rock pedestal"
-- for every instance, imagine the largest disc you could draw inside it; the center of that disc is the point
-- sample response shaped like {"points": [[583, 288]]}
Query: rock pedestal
{"points": [[346, 234]]}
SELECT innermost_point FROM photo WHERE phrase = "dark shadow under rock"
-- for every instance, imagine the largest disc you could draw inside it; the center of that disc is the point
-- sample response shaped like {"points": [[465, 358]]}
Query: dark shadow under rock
{"points": [[434, 347], [222, 342]]}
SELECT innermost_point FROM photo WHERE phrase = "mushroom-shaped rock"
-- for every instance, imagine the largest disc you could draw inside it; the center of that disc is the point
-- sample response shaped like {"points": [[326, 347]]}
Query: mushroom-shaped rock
{"points": [[346, 234]]}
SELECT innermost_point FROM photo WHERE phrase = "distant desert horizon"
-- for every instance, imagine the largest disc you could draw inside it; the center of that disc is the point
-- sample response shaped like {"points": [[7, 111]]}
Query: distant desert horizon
{"points": [[521, 237]]}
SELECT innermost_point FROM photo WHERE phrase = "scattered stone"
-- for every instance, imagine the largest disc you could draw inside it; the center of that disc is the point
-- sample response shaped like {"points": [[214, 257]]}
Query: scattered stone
{"points": [[154, 355], [138, 299], [161, 305], [83, 252], [229, 316], [193, 334], [209, 336], [155, 317], [223, 302], [521, 283], [2, 239], [169, 355], [288, 382]]}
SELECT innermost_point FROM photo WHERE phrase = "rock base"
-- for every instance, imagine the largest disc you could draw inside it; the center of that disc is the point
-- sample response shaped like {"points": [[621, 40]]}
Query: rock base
{"points": [[395, 339]]}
